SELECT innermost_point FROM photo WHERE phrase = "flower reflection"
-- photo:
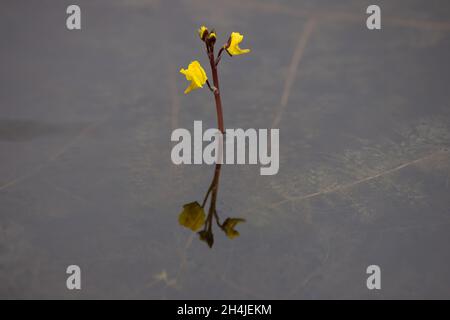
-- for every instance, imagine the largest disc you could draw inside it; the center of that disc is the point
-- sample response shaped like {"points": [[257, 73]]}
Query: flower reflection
{"points": [[192, 216]]}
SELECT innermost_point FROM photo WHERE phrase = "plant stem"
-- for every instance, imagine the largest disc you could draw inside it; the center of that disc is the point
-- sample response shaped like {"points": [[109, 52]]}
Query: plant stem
{"points": [[218, 100]]}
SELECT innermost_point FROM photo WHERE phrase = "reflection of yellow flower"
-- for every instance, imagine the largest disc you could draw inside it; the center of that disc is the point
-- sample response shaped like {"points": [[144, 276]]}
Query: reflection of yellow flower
{"points": [[233, 48], [201, 31], [207, 236], [192, 216], [228, 227], [196, 74], [212, 35]]}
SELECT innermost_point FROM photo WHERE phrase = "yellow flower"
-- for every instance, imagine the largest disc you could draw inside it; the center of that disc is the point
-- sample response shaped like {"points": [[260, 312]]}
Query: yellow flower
{"points": [[201, 31], [212, 35], [196, 74], [233, 47], [192, 216], [228, 227]]}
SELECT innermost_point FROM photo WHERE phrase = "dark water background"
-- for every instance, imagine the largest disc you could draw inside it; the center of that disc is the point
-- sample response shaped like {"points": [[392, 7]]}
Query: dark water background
{"points": [[86, 176]]}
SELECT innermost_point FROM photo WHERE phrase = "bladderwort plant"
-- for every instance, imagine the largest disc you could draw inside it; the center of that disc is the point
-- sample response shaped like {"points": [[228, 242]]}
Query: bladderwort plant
{"points": [[193, 215]]}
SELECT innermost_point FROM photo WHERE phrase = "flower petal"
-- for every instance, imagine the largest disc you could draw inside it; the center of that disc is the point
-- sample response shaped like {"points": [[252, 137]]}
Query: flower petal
{"points": [[192, 216], [196, 74], [228, 227]]}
